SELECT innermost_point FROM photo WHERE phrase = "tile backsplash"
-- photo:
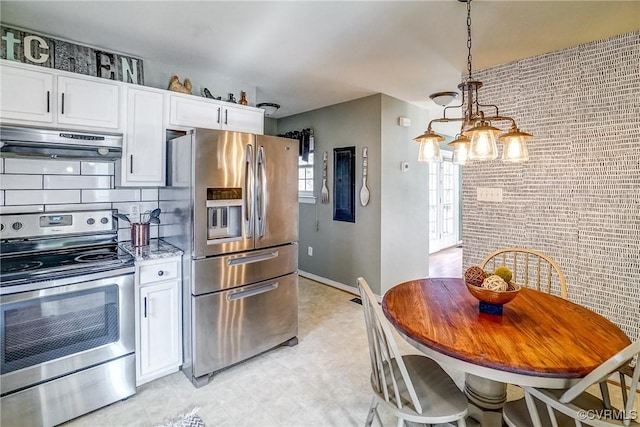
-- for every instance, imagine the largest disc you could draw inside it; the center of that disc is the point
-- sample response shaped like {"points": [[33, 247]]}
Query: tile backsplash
{"points": [[42, 185]]}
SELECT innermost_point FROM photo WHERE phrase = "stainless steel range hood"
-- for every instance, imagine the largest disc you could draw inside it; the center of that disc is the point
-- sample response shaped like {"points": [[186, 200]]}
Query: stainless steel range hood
{"points": [[59, 144]]}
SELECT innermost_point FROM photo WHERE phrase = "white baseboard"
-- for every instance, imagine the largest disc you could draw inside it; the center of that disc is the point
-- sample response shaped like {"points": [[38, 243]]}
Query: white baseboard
{"points": [[333, 283]]}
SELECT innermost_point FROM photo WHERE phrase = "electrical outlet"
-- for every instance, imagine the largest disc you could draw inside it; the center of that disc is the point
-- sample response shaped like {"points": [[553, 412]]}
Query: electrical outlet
{"points": [[310, 251], [495, 195], [488, 194], [482, 195], [134, 212]]}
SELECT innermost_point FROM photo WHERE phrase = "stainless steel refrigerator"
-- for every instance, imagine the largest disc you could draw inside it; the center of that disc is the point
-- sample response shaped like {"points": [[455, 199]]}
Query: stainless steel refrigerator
{"points": [[231, 203]]}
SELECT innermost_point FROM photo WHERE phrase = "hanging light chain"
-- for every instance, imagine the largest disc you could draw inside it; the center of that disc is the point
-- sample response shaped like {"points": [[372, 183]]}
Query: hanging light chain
{"points": [[469, 37], [477, 134]]}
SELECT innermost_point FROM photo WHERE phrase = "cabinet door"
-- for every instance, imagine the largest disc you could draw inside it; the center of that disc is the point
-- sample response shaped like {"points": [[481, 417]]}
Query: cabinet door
{"points": [[144, 154], [194, 113], [88, 103], [26, 95], [243, 119], [160, 328]]}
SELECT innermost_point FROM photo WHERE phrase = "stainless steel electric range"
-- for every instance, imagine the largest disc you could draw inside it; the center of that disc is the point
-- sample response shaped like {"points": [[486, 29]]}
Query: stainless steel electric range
{"points": [[67, 343]]}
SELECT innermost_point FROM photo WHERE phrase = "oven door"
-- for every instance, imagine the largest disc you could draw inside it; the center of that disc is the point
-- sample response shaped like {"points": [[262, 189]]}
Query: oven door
{"points": [[78, 323]]}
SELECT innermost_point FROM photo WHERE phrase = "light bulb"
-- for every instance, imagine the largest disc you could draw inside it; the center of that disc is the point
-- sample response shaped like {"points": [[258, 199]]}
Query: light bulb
{"points": [[460, 154], [429, 151], [483, 144], [515, 149]]}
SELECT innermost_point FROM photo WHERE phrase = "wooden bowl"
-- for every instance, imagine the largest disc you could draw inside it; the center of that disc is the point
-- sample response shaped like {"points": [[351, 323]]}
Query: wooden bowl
{"points": [[494, 297]]}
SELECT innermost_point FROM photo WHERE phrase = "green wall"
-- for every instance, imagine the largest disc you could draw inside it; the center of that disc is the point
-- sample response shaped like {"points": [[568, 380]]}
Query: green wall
{"points": [[386, 245]]}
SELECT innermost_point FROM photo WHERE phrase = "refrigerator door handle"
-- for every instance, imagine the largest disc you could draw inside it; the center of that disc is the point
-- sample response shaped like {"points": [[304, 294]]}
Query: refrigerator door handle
{"points": [[252, 292], [248, 192], [262, 192], [252, 259]]}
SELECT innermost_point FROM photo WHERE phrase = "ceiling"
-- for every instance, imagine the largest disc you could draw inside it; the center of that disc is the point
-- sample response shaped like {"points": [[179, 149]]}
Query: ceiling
{"points": [[305, 55]]}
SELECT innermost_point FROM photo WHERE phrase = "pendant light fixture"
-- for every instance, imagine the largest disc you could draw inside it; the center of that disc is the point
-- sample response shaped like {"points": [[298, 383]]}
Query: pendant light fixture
{"points": [[478, 135]]}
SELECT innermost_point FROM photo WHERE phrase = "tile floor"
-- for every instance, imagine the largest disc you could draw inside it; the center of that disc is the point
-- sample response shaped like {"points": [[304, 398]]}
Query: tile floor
{"points": [[323, 381]]}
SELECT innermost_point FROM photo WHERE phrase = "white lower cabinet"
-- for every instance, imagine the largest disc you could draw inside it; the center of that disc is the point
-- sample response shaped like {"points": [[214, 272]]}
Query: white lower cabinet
{"points": [[159, 318]]}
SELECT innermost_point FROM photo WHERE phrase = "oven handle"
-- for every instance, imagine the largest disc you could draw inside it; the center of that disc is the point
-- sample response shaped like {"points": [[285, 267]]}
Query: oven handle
{"points": [[68, 284]]}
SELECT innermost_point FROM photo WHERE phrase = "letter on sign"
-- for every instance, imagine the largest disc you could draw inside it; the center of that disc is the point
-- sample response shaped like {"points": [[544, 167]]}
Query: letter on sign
{"points": [[106, 66], [130, 73], [11, 41], [28, 43]]}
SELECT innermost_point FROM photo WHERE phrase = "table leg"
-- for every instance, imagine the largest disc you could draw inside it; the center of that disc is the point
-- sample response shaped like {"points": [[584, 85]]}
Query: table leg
{"points": [[487, 397]]}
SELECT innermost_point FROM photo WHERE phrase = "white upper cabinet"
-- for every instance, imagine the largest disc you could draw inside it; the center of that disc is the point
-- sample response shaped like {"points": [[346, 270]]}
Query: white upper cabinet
{"points": [[88, 103], [34, 97], [143, 154], [242, 119], [26, 95], [187, 111], [193, 112]]}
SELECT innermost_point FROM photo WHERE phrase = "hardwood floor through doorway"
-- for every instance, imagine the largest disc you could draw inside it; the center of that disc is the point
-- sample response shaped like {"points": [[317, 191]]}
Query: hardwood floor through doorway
{"points": [[446, 263]]}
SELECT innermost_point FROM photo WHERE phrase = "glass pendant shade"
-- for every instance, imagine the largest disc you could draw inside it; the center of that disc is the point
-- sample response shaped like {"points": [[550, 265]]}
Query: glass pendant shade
{"points": [[477, 139], [429, 150], [515, 146], [460, 150], [483, 142]]}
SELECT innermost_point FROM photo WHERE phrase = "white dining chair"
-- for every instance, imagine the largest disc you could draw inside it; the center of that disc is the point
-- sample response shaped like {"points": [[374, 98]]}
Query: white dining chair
{"points": [[575, 407], [413, 387], [530, 268]]}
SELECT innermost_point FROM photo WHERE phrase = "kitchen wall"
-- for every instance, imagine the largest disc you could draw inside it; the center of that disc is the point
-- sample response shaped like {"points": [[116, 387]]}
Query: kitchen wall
{"points": [[40, 185], [404, 223], [578, 197], [158, 75], [342, 251]]}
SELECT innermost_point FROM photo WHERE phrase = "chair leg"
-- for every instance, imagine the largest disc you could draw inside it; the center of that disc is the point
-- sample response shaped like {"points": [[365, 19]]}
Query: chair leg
{"points": [[372, 412], [401, 422], [604, 390], [462, 423], [533, 411]]}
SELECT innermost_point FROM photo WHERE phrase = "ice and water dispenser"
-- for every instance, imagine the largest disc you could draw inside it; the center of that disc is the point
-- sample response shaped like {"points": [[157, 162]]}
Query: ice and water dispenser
{"points": [[224, 214]]}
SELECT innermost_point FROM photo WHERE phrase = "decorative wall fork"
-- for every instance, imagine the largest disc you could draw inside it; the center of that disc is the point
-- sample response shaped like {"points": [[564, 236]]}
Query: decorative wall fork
{"points": [[325, 190]]}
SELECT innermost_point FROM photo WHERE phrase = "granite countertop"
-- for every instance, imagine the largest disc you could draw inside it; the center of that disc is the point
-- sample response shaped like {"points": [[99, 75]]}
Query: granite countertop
{"points": [[156, 249]]}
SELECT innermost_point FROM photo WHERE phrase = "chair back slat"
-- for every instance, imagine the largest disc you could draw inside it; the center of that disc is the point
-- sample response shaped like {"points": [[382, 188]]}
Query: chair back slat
{"points": [[530, 268], [569, 403], [602, 372], [386, 359]]}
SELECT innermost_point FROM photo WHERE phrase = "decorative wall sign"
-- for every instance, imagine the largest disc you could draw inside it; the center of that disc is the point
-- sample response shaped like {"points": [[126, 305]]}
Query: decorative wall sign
{"points": [[344, 184], [35, 49]]}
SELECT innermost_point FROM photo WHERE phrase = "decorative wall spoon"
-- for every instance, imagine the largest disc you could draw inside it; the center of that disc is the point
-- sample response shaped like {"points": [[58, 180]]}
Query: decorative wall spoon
{"points": [[364, 191]]}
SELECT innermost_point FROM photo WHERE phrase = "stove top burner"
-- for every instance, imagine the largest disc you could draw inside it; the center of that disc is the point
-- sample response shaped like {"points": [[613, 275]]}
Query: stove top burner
{"points": [[36, 266], [96, 256], [22, 266]]}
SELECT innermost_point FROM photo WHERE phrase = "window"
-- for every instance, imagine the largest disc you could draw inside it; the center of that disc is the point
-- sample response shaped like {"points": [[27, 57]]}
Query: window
{"points": [[305, 163], [443, 203], [305, 176]]}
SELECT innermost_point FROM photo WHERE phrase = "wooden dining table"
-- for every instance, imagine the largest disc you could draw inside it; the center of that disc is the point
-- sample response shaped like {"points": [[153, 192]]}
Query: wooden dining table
{"points": [[540, 340]]}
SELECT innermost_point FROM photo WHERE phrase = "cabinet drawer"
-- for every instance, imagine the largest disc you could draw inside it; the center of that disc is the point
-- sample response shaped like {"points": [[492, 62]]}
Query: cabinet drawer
{"points": [[159, 272]]}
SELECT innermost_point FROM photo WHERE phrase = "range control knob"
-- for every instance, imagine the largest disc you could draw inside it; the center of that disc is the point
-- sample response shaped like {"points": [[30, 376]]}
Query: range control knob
{"points": [[1, 227], [104, 220], [91, 221], [16, 225]]}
